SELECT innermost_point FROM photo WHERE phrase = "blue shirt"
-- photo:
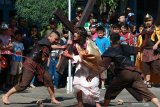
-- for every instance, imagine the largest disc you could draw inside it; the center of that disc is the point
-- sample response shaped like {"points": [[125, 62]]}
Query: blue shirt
{"points": [[102, 44], [17, 49]]}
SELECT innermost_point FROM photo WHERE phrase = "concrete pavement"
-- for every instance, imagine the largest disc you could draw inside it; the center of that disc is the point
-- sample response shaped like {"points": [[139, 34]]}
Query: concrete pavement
{"points": [[29, 98]]}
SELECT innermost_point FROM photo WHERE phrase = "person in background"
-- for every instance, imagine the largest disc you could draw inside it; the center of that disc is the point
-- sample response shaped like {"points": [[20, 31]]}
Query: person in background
{"points": [[93, 31], [122, 19], [138, 61], [13, 24], [56, 48], [65, 38], [23, 27], [33, 41], [79, 11], [52, 25], [131, 19], [5, 50], [105, 24], [91, 20], [125, 33], [65, 35], [17, 60], [102, 43]]}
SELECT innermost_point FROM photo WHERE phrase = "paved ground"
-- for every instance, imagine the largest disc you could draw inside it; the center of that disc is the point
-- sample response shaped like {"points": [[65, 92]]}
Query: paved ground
{"points": [[29, 97]]}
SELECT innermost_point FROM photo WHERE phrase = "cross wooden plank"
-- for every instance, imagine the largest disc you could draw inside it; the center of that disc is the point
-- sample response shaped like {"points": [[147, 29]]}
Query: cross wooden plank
{"points": [[59, 14], [63, 61], [86, 13]]}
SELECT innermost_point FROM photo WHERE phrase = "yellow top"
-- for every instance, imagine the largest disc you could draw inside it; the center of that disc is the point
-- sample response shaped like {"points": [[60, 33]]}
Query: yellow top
{"points": [[156, 33]]}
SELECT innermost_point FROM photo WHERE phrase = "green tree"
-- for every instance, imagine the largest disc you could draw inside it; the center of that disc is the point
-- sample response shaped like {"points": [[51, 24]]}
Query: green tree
{"points": [[39, 11], [107, 5]]}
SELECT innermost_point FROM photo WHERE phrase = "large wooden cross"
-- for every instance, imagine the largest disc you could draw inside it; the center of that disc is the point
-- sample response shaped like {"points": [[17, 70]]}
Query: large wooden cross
{"points": [[59, 14]]}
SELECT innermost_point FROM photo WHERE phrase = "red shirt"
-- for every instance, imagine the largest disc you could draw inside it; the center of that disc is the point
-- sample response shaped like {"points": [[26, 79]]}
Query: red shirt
{"points": [[129, 38]]}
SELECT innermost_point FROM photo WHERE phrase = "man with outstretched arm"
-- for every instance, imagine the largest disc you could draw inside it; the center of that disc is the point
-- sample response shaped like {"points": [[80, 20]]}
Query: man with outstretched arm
{"points": [[126, 75], [34, 65]]}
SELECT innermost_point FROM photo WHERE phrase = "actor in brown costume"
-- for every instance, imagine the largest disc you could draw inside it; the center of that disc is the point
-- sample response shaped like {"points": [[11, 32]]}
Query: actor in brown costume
{"points": [[150, 55], [126, 75], [37, 58]]}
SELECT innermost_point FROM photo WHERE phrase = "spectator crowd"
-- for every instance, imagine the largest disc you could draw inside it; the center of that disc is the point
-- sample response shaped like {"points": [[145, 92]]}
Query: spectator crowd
{"points": [[17, 39]]}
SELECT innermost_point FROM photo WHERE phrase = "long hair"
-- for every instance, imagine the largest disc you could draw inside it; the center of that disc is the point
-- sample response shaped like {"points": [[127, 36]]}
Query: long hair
{"points": [[83, 33]]}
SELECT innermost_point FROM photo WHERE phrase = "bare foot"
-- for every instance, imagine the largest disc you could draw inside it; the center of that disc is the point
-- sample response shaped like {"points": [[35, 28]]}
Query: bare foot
{"points": [[5, 100], [120, 102], [53, 100], [98, 105]]}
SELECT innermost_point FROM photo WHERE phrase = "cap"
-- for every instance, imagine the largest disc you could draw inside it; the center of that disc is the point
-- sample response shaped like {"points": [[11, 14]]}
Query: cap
{"points": [[4, 26], [52, 21], [79, 10], [130, 14], [93, 25]]}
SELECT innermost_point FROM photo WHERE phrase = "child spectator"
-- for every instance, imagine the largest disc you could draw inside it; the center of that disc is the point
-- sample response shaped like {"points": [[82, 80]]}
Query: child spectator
{"points": [[117, 29], [91, 20], [93, 31], [65, 35], [125, 33], [102, 43], [33, 40], [16, 66]]}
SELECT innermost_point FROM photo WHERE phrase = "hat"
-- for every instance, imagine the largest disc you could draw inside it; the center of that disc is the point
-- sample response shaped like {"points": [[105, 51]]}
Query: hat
{"points": [[93, 25], [4, 26], [148, 17], [79, 10], [52, 21], [130, 14]]}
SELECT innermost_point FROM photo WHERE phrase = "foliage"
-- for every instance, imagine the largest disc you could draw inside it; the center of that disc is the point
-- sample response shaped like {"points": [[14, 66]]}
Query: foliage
{"points": [[112, 3], [39, 11]]}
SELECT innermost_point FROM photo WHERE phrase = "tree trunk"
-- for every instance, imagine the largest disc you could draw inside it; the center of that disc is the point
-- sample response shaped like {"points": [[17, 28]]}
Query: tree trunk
{"points": [[123, 4]]}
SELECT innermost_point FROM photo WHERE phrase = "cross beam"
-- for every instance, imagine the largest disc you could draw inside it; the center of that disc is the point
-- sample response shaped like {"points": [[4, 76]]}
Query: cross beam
{"points": [[59, 14], [86, 13]]}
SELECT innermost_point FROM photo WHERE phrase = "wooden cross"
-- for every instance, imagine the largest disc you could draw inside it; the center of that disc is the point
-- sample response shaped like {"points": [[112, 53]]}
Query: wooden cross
{"points": [[59, 14]]}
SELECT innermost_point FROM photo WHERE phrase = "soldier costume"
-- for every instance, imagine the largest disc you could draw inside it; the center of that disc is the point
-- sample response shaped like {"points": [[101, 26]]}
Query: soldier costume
{"points": [[150, 57], [34, 65], [126, 75]]}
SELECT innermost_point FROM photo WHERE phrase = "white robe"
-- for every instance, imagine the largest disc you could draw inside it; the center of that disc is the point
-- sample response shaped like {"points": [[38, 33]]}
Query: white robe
{"points": [[91, 92]]}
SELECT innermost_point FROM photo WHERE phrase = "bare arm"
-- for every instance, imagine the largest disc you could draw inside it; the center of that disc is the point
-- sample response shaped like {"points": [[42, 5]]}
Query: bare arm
{"points": [[61, 47], [68, 55], [156, 45]]}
